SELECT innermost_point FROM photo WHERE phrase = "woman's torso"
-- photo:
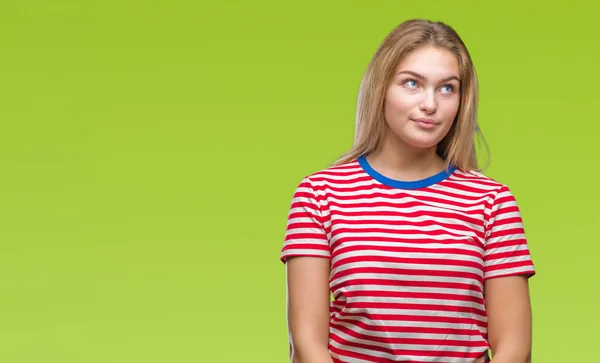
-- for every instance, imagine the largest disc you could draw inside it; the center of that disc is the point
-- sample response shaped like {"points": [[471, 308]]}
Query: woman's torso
{"points": [[407, 268]]}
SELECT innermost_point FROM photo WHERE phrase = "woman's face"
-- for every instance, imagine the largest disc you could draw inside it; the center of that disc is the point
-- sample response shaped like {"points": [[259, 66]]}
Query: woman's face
{"points": [[423, 98]]}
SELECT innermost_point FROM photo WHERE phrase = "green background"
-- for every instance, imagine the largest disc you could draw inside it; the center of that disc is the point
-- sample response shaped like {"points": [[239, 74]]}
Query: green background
{"points": [[149, 152]]}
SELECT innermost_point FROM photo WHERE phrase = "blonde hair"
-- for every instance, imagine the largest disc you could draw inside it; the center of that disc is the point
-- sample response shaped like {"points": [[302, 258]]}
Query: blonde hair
{"points": [[457, 147]]}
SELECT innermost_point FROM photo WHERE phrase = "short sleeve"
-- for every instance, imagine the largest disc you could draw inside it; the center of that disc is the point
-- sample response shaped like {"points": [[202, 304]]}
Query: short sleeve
{"points": [[506, 249], [305, 234]]}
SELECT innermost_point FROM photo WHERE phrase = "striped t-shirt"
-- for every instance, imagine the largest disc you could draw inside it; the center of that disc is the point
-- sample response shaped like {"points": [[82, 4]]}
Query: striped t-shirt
{"points": [[408, 259]]}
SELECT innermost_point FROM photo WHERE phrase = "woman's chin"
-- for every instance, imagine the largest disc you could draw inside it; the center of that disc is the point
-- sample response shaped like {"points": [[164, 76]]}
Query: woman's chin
{"points": [[422, 142]]}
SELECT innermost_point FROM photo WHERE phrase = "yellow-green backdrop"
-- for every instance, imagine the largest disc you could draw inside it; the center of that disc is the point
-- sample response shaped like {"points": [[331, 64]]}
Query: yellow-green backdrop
{"points": [[149, 151]]}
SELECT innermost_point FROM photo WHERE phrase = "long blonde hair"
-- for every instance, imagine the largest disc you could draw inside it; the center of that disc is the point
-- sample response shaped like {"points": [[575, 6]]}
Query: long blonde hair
{"points": [[457, 147]]}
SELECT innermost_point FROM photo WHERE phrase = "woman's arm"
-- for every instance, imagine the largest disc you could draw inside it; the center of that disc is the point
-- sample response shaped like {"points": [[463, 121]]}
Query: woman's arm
{"points": [[308, 309], [509, 319]]}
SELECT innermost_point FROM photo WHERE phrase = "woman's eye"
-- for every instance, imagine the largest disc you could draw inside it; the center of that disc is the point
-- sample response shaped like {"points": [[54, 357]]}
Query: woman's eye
{"points": [[447, 88], [410, 83]]}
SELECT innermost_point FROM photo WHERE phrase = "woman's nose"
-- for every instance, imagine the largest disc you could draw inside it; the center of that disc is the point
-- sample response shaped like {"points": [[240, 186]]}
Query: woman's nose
{"points": [[428, 104]]}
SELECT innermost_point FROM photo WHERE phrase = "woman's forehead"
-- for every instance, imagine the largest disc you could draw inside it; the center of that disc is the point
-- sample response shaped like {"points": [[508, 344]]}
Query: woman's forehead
{"points": [[430, 63]]}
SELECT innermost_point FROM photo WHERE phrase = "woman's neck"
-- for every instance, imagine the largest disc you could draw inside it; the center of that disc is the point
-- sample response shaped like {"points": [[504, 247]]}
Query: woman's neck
{"points": [[399, 161]]}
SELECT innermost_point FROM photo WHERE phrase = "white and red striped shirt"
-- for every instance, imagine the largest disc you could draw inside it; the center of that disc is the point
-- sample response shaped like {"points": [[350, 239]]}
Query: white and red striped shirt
{"points": [[408, 259]]}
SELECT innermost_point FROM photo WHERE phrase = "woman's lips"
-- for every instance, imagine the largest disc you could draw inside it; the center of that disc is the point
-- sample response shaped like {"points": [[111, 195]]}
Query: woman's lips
{"points": [[426, 123]]}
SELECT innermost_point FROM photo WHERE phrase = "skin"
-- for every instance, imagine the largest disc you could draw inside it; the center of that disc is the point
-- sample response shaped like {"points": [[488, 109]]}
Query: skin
{"points": [[509, 319], [425, 85], [308, 309]]}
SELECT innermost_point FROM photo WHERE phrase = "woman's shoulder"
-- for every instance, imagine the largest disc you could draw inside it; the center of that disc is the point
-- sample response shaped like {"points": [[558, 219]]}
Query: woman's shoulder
{"points": [[477, 179], [334, 175], [335, 172]]}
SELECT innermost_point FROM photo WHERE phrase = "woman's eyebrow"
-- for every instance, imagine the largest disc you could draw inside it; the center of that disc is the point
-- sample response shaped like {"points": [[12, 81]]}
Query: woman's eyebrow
{"points": [[417, 75]]}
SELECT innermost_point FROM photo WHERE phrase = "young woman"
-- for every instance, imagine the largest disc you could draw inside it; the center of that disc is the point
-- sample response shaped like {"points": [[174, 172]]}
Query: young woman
{"points": [[403, 251]]}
